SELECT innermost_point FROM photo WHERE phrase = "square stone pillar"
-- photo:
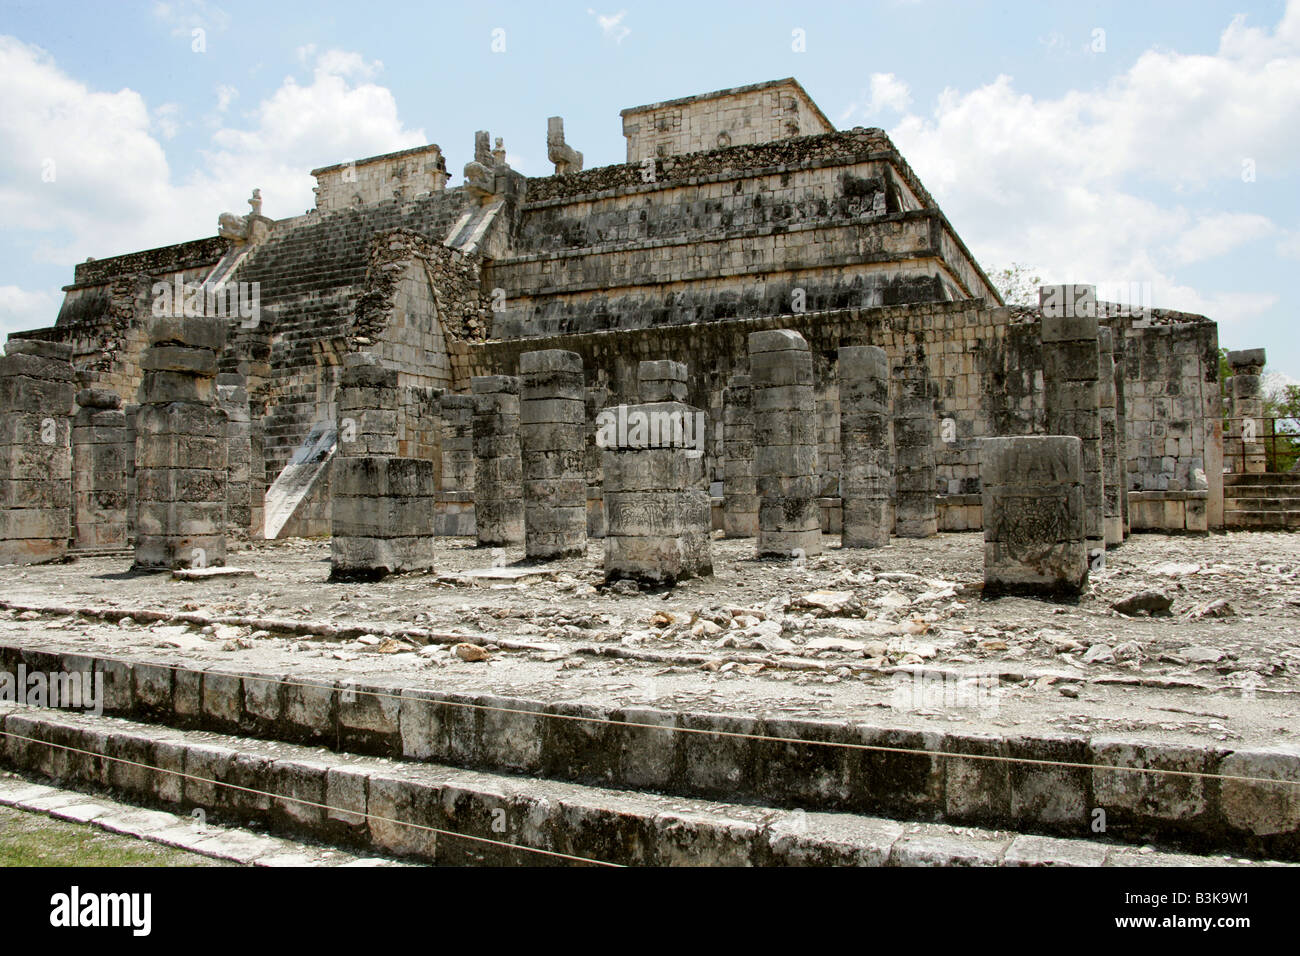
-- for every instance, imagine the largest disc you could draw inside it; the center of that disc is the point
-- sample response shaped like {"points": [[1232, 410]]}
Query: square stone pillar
{"points": [[99, 456], [498, 470], [739, 490], [456, 501], [37, 386], [594, 399], [1072, 391], [785, 444], [1121, 429], [662, 381], [1247, 419], [1033, 496], [180, 450], [916, 509], [381, 516], [367, 408], [232, 397], [552, 441], [1113, 465], [867, 469], [382, 506], [657, 510]]}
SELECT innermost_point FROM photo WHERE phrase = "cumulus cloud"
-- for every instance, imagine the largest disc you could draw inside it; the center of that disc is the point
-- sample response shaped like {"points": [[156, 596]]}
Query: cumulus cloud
{"points": [[25, 309], [84, 172], [1067, 183], [225, 96], [611, 24], [184, 15], [887, 92]]}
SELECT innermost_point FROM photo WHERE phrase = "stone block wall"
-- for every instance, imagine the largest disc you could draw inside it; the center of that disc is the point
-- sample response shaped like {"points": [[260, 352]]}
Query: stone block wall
{"points": [[759, 113], [658, 521], [36, 404], [181, 449], [407, 174], [99, 471], [1172, 404], [1034, 503]]}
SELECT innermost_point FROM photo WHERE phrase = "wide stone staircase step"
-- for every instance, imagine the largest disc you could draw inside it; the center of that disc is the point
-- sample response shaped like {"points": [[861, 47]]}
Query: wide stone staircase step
{"points": [[1261, 501], [629, 784], [451, 816]]}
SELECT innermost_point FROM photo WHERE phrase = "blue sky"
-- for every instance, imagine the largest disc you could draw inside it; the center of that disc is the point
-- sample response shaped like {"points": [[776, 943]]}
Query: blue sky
{"points": [[1119, 143]]}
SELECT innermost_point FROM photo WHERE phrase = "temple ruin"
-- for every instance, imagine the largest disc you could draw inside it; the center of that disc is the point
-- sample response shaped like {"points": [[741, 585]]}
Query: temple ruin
{"points": [[741, 221]]}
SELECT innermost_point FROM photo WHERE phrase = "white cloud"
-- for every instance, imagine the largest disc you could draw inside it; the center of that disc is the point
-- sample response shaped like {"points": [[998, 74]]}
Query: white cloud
{"points": [[225, 96], [611, 25], [166, 120], [112, 190], [26, 309], [1217, 234], [1064, 184], [887, 92], [184, 15]]}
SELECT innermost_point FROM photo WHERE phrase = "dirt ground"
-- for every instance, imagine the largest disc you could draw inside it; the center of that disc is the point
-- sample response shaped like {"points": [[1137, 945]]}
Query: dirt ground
{"points": [[896, 636]]}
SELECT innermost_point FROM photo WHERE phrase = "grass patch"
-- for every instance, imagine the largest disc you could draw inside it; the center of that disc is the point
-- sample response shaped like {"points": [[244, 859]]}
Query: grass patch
{"points": [[33, 839]]}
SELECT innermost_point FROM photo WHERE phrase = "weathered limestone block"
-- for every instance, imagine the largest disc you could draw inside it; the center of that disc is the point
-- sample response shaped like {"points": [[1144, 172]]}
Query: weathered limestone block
{"points": [[232, 398], [552, 440], [181, 453], [867, 469], [662, 381], [1121, 429], [456, 499], [915, 505], [367, 408], [1072, 391], [1113, 460], [1033, 496], [785, 444], [382, 516], [99, 456], [498, 477], [1246, 425], [739, 489], [657, 511], [37, 386], [595, 398], [249, 357]]}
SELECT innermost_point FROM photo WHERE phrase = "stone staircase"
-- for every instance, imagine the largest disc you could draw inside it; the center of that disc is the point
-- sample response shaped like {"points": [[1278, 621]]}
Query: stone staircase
{"points": [[1261, 502], [473, 778]]}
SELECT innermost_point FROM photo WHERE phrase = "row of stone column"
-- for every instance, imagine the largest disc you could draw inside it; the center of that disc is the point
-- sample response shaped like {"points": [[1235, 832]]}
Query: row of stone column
{"points": [[151, 468]]}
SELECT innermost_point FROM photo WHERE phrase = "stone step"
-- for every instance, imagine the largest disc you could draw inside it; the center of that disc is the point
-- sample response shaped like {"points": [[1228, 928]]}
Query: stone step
{"points": [[1262, 478], [1040, 784], [195, 835], [1262, 520], [448, 816], [1262, 491], [1261, 503]]}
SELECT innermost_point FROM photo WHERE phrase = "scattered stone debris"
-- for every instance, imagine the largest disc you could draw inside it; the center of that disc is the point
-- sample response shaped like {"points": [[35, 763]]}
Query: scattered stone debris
{"points": [[1216, 608], [1202, 655], [472, 653], [1152, 603]]}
